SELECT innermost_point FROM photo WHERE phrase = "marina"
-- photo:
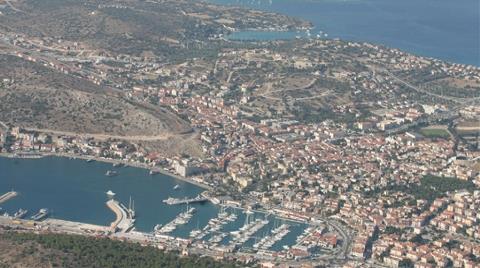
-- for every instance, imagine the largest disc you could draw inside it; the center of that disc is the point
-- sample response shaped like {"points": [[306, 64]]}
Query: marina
{"points": [[213, 226], [277, 234], [76, 194], [246, 232], [182, 219]]}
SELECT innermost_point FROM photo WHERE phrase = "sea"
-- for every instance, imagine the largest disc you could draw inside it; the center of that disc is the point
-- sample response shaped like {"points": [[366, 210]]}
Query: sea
{"points": [[443, 29], [75, 190]]}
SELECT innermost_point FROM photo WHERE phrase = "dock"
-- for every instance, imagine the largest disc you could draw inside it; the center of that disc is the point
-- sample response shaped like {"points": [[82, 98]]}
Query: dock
{"points": [[5, 197], [177, 201], [124, 220], [181, 219]]}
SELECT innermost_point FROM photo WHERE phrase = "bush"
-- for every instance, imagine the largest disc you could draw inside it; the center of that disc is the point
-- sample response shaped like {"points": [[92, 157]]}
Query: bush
{"points": [[102, 252]]}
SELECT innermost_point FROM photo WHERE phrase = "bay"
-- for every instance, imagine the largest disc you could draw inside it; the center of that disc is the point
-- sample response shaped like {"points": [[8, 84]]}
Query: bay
{"points": [[443, 29], [75, 190]]}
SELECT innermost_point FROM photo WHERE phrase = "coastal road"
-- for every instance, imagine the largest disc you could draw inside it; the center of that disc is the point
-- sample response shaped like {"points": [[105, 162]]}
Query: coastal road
{"points": [[347, 239]]}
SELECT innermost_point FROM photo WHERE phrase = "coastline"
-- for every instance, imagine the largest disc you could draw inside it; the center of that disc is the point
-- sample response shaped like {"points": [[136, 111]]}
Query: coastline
{"points": [[38, 155], [343, 25], [106, 160]]}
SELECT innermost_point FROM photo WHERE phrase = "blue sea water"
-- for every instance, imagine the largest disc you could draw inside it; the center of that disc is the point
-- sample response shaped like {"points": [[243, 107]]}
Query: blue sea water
{"points": [[444, 29], [76, 190]]}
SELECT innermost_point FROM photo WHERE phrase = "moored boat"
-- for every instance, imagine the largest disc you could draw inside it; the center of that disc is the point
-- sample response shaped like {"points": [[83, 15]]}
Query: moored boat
{"points": [[42, 213], [111, 173], [20, 214]]}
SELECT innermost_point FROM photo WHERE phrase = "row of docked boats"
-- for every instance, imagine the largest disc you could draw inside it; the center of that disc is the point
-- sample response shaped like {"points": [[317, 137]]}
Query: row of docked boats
{"points": [[246, 232], [277, 234], [214, 225], [181, 219], [21, 213]]}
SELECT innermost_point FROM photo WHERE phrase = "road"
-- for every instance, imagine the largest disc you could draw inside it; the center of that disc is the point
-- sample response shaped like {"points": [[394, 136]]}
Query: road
{"points": [[267, 94], [230, 76], [473, 128], [420, 90], [13, 7], [4, 126], [347, 239], [323, 94], [161, 137], [340, 253], [42, 57]]}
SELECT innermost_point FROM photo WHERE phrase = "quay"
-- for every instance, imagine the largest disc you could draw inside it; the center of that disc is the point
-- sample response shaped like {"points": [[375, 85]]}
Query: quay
{"points": [[5, 197], [124, 221], [77, 228], [177, 201]]}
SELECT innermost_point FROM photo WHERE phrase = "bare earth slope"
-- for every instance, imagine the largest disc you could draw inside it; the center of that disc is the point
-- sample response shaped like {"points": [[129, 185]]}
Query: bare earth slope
{"points": [[47, 99]]}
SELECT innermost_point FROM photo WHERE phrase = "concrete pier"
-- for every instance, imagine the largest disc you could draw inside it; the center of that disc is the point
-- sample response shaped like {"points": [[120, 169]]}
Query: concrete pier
{"points": [[176, 201], [4, 198], [123, 221]]}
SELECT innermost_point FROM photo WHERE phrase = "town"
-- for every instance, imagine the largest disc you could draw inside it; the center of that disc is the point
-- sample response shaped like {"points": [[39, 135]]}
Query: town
{"points": [[379, 148]]}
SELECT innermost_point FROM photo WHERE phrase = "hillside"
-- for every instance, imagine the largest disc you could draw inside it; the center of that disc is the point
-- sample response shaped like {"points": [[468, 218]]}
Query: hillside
{"points": [[48, 99], [134, 27], [51, 250], [66, 65]]}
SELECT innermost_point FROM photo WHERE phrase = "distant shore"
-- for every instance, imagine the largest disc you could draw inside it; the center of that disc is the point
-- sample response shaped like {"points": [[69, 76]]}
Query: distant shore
{"points": [[105, 160]]}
